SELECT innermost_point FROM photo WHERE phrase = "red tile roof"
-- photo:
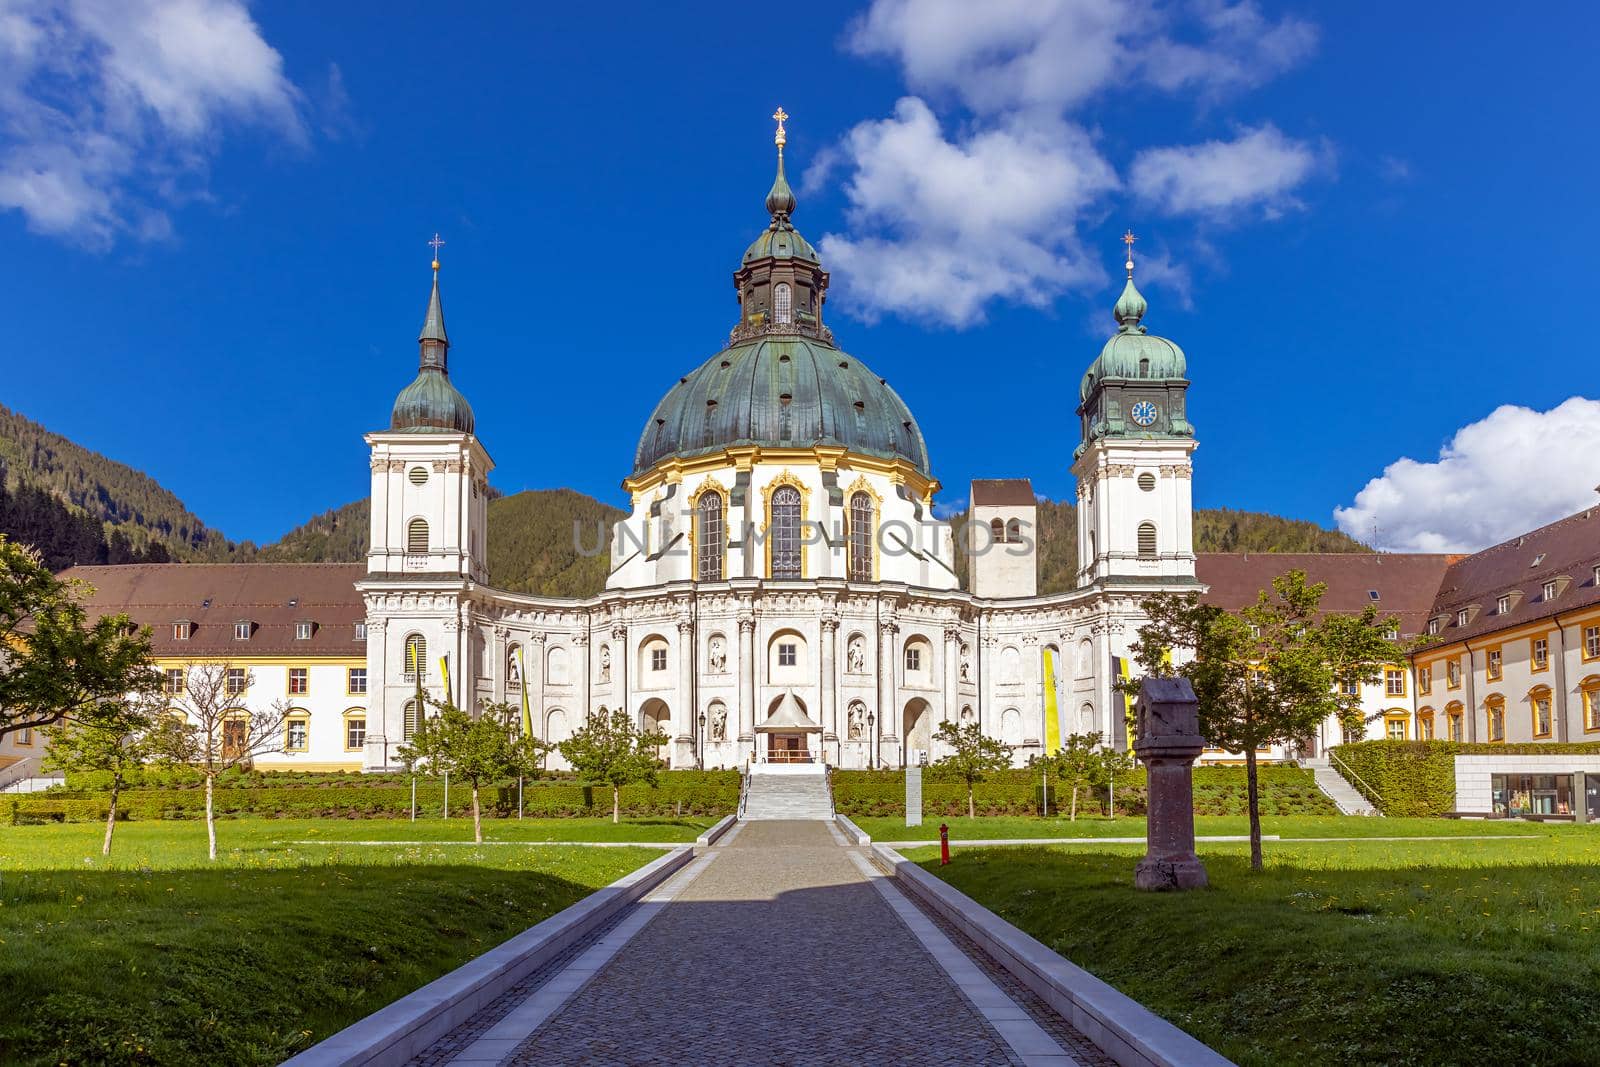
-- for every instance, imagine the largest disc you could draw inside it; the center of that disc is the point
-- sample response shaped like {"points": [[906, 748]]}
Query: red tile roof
{"points": [[1405, 584], [272, 597], [1003, 492]]}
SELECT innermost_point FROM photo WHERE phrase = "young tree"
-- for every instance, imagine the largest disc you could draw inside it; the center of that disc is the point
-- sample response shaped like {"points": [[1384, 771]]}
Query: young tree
{"points": [[1078, 764], [475, 750], [1265, 675], [973, 757], [115, 737], [1114, 764], [608, 749], [55, 661], [214, 729]]}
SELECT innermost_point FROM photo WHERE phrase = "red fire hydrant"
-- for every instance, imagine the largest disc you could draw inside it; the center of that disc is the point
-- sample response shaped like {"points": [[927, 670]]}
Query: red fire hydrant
{"points": [[944, 844]]}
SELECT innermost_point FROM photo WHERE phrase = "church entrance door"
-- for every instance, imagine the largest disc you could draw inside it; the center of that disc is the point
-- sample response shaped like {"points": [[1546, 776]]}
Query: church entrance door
{"points": [[787, 748]]}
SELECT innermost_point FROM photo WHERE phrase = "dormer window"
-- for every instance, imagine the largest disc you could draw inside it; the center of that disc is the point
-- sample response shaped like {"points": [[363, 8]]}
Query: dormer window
{"points": [[1549, 590], [361, 630], [1537, 560], [1502, 606], [1433, 627], [1461, 617], [241, 631], [782, 303], [182, 630], [302, 631]]}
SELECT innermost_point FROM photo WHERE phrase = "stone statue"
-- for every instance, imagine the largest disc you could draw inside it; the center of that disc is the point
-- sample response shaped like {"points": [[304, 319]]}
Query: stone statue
{"points": [[718, 656], [719, 724], [966, 663], [514, 669], [858, 721], [966, 714], [855, 660], [605, 663]]}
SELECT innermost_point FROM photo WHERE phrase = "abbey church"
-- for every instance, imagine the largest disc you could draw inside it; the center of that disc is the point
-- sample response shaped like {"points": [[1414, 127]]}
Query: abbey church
{"points": [[781, 590]]}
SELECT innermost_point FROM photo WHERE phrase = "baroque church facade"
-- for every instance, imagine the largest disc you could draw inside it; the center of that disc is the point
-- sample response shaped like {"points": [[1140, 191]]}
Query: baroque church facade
{"points": [[780, 588]]}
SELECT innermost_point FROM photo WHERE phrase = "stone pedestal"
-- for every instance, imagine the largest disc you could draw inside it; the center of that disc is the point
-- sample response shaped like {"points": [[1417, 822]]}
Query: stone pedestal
{"points": [[1169, 741]]}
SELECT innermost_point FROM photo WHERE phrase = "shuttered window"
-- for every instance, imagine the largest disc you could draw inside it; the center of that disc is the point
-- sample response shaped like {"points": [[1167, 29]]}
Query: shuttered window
{"points": [[417, 536], [1147, 540]]}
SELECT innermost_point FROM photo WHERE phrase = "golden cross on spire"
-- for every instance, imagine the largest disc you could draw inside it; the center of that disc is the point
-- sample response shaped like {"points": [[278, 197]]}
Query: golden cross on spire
{"points": [[436, 244], [780, 138], [1128, 238]]}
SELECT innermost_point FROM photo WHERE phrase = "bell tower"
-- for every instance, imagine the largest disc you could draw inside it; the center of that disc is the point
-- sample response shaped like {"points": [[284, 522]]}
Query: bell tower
{"points": [[1133, 464]]}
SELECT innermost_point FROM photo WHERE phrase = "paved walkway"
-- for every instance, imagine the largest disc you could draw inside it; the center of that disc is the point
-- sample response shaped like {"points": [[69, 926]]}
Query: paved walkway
{"points": [[778, 946]]}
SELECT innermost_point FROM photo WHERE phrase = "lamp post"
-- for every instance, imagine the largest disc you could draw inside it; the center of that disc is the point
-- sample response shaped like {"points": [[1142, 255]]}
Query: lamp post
{"points": [[701, 758], [872, 742]]}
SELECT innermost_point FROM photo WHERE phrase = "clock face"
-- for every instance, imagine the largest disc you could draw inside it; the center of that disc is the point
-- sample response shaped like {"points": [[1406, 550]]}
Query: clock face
{"points": [[1144, 413]]}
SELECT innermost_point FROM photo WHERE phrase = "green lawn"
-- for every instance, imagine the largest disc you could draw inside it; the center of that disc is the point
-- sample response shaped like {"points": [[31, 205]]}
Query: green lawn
{"points": [[1347, 952], [159, 957], [894, 828]]}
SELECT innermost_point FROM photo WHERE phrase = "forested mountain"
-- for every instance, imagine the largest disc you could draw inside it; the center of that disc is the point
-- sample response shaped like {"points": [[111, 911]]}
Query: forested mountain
{"points": [[65, 535], [124, 501], [534, 541], [1215, 530]]}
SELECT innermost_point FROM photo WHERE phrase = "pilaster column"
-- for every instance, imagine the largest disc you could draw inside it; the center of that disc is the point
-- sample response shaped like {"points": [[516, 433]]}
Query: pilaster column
{"points": [[888, 727], [1034, 673], [580, 642], [619, 666], [828, 690], [378, 710], [952, 677], [747, 677], [533, 676], [686, 711], [499, 649]]}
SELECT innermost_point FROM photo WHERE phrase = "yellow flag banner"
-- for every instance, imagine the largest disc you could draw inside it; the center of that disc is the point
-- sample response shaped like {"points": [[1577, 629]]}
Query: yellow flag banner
{"points": [[522, 675], [1052, 712], [1120, 665], [444, 672]]}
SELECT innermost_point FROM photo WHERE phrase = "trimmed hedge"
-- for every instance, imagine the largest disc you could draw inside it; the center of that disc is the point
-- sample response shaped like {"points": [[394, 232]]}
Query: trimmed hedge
{"points": [[1419, 777], [385, 796], [1217, 791]]}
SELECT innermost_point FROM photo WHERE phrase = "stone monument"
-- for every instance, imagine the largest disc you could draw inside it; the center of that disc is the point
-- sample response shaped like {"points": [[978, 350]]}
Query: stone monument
{"points": [[1169, 740]]}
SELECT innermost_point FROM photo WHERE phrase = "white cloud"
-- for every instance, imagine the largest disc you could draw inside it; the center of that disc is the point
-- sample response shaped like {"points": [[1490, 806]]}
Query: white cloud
{"points": [[1002, 55], [1259, 168], [110, 109], [951, 225], [942, 225], [1513, 471]]}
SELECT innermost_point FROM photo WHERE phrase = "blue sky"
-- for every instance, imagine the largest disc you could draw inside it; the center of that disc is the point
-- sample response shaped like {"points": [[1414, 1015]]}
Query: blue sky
{"points": [[1369, 227]]}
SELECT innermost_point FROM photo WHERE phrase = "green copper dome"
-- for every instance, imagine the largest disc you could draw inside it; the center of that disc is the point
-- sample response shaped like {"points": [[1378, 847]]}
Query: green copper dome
{"points": [[431, 404], [781, 392], [781, 241], [1133, 352]]}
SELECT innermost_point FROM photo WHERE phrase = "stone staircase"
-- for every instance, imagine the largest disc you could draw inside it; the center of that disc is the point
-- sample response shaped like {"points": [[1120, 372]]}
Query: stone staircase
{"points": [[788, 792], [1344, 795]]}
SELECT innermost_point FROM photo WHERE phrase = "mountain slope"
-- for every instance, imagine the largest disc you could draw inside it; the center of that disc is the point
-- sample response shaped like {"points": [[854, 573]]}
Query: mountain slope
{"points": [[114, 494]]}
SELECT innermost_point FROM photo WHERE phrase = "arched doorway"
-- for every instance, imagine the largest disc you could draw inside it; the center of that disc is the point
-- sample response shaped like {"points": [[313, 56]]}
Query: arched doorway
{"points": [[655, 716], [917, 731]]}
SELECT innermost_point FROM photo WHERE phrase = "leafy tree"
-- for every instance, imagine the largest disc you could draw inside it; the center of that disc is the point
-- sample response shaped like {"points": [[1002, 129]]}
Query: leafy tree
{"points": [[1078, 764], [212, 727], [1266, 674], [476, 750], [609, 750], [115, 737], [973, 757], [56, 661], [1114, 764]]}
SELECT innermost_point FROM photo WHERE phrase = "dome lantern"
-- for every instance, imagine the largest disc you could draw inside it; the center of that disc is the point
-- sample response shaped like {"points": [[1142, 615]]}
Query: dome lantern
{"points": [[431, 403]]}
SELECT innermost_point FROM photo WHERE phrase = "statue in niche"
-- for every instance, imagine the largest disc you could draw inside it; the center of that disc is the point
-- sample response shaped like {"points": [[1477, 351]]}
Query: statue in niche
{"points": [[514, 669], [605, 664], [857, 721], [855, 657], [718, 656], [966, 714], [966, 663], [719, 724]]}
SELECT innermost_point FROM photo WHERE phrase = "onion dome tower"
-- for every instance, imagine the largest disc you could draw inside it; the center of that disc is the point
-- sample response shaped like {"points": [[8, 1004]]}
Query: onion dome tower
{"points": [[1133, 463], [431, 403]]}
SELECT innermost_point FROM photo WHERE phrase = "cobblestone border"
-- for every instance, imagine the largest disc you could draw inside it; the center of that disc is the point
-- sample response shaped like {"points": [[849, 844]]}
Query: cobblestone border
{"points": [[853, 832], [1126, 1030], [709, 838], [397, 1032]]}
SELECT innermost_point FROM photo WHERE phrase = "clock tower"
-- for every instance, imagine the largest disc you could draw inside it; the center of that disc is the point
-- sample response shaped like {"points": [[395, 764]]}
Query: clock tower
{"points": [[1133, 465]]}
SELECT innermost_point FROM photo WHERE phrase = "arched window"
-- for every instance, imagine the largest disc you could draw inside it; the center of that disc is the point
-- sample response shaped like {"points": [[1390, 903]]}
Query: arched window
{"points": [[861, 537], [1539, 704], [413, 711], [784, 536], [1147, 540], [417, 536], [997, 531], [416, 656], [297, 730], [1014, 531], [782, 303], [1494, 710], [708, 538], [1144, 368]]}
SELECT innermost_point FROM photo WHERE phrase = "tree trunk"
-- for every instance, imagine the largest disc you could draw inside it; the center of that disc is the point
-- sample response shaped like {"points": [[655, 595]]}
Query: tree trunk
{"points": [[211, 823], [111, 817], [1074, 816], [477, 817], [616, 804], [1255, 807], [971, 814]]}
